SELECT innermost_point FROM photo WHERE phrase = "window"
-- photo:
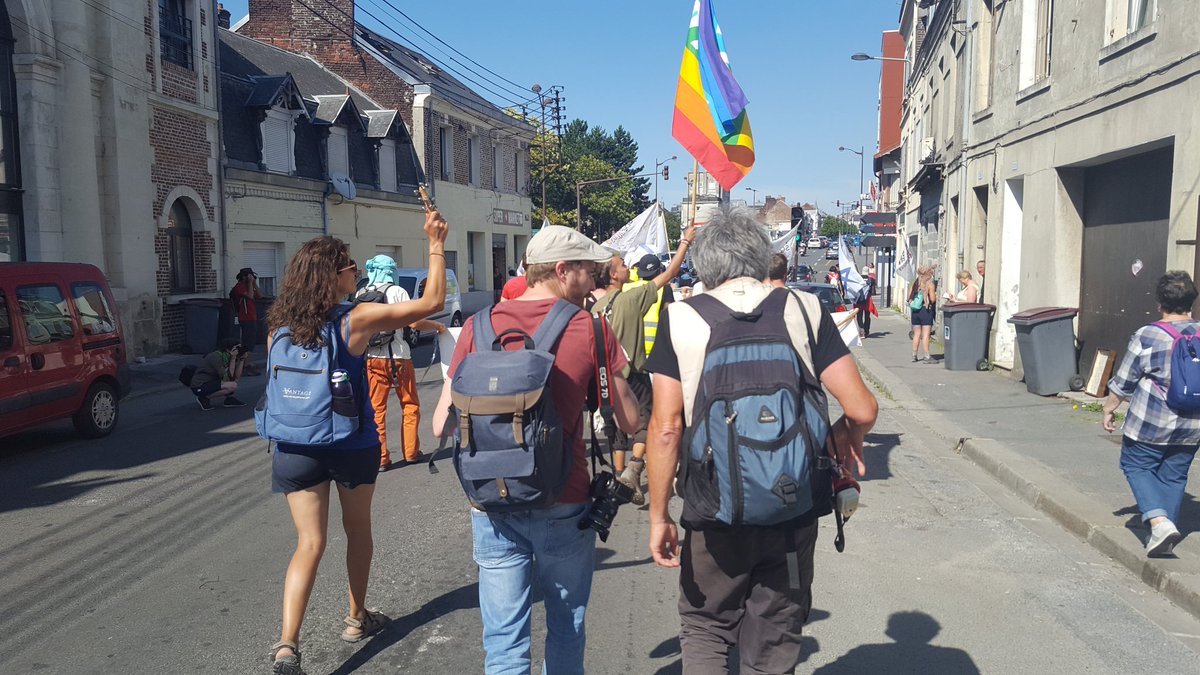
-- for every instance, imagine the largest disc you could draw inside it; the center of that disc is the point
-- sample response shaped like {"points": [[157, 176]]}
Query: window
{"points": [[279, 141], [175, 32], [94, 312], [387, 165], [47, 318], [497, 167], [446, 153], [337, 148], [263, 258], [179, 232], [1035, 41], [1129, 16], [519, 174], [473, 160], [6, 335]]}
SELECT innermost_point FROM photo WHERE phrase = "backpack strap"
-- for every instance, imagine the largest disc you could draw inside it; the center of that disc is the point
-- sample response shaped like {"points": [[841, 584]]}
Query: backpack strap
{"points": [[710, 309], [554, 324], [603, 394], [1170, 330], [485, 334]]}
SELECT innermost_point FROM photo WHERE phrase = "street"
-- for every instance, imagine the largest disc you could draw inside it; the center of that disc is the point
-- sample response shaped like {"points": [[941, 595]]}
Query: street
{"points": [[162, 549]]}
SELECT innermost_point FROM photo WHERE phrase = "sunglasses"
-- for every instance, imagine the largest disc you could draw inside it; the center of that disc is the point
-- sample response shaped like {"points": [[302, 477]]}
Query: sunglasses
{"points": [[351, 266]]}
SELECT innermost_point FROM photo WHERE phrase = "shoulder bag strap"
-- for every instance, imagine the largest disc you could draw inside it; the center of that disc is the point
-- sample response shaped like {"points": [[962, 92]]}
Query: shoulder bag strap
{"points": [[603, 395]]}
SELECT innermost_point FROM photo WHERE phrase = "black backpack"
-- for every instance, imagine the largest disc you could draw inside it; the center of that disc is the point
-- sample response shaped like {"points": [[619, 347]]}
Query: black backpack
{"points": [[186, 374], [377, 294]]}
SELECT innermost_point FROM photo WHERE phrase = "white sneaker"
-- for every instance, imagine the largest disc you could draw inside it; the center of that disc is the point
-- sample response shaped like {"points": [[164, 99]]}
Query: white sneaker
{"points": [[1163, 538]]}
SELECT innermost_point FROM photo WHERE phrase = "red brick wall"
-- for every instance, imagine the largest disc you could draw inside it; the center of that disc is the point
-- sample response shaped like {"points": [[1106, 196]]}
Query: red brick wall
{"points": [[462, 175], [181, 157], [178, 82], [172, 327]]}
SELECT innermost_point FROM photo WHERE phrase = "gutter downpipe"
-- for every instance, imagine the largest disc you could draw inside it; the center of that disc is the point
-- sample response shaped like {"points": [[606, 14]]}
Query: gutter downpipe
{"points": [[968, 88], [224, 224]]}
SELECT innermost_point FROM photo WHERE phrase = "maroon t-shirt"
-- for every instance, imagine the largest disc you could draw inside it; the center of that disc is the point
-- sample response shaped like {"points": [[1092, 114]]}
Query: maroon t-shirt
{"points": [[574, 369], [514, 288]]}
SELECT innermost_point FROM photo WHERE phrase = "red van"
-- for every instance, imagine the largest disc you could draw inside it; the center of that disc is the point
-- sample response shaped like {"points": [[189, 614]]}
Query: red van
{"points": [[62, 352]]}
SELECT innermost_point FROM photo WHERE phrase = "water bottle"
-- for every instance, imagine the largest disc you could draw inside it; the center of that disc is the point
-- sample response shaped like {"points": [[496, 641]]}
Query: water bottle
{"points": [[343, 394]]}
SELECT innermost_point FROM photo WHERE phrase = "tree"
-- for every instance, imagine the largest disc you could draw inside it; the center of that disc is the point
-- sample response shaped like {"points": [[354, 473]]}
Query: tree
{"points": [[832, 226], [674, 225]]}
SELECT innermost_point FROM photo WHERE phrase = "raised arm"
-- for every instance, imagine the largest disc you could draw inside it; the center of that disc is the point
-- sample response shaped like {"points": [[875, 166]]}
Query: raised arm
{"points": [[672, 270], [370, 318]]}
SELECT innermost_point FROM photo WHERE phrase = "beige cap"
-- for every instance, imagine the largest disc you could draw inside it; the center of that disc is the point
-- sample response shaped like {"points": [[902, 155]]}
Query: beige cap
{"points": [[555, 242]]}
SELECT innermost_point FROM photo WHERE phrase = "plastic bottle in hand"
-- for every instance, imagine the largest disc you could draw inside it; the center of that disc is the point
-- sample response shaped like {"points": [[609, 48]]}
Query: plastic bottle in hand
{"points": [[343, 394]]}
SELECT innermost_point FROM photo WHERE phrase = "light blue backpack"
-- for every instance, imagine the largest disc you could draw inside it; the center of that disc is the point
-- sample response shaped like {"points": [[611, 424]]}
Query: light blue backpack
{"points": [[298, 405]]}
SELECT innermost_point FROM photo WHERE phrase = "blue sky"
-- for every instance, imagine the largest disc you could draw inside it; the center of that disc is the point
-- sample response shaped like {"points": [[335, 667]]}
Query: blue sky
{"points": [[619, 62]]}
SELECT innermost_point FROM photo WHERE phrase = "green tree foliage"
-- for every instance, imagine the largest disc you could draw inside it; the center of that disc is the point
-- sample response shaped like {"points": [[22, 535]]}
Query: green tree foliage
{"points": [[832, 226], [589, 153], [674, 226]]}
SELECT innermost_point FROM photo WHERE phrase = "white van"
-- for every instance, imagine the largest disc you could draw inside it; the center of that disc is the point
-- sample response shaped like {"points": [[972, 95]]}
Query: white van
{"points": [[413, 283]]}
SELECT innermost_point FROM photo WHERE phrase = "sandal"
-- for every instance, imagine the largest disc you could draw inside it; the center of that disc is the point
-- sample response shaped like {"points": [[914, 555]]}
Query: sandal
{"points": [[370, 624], [285, 665]]}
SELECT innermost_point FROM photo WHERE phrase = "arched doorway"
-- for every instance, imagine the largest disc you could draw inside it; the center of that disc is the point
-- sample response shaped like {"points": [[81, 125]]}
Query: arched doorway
{"points": [[12, 235]]}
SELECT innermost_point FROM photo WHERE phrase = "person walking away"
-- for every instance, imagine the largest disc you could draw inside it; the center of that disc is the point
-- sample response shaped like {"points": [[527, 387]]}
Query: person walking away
{"points": [[921, 305], [516, 284], [1159, 438], [218, 375], [561, 266], [865, 308], [968, 293], [390, 365], [777, 271], [740, 584], [245, 296], [309, 308], [634, 312]]}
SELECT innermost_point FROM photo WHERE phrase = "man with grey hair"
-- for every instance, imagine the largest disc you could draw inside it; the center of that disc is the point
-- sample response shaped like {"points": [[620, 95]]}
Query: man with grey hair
{"points": [[745, 584]]}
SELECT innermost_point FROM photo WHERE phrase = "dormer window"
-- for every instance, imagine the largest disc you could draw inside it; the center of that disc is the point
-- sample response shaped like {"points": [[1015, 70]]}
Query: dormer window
{"points": [[387, 165], [279, 141], [337, 148], [175, 32]]}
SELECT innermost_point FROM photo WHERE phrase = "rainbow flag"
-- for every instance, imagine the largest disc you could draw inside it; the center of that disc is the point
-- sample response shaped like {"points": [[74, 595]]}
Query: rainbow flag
{"points": [[710, 108]]}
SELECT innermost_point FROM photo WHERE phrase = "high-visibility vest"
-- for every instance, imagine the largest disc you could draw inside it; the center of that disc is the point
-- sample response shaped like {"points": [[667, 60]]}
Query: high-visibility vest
{"points": [[650, 320]]}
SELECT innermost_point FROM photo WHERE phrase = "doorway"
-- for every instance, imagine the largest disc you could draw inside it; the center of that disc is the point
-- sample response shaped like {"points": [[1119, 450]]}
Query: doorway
{"points": [[1009, 287]]}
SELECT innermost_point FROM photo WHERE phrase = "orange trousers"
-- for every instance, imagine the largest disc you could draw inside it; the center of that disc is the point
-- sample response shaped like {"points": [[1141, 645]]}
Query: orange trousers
{"points": [[381, 382]]}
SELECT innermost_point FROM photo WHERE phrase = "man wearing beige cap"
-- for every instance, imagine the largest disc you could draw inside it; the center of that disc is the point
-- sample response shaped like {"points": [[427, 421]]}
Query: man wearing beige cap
{"points": [[560, 267]]}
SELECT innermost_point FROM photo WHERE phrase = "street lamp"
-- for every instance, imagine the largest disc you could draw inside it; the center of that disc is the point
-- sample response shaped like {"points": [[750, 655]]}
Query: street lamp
{"points": [[753, 196], [867, 57], [861, 163], [657, 164]]}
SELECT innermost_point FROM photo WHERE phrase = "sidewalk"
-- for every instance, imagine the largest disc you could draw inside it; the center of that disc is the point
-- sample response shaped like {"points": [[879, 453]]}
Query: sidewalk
{"points": [[1050, 451]]}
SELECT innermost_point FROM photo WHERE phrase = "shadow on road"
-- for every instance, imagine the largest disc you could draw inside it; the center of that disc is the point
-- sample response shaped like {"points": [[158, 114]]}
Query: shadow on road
{"points": [[465, 597], [670, 647], [876, 449], [909, 653]]}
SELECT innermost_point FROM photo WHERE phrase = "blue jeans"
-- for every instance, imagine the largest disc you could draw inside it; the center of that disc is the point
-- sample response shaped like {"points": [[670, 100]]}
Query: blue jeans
{"points": [[1157, 474], [506, 546]]}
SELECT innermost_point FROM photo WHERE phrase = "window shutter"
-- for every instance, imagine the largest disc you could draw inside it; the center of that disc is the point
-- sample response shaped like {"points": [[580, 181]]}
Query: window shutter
{"points": [[263, 258], [339, 161], [277, 146], [387, 165]]}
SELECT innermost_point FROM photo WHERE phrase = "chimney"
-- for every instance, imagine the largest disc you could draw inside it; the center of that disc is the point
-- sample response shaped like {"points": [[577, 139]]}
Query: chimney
{"points": [[301, 25], [222, 16]]}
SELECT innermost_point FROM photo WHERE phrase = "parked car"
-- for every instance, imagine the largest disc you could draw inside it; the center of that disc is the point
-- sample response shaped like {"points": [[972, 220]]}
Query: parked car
{"points": [[62, 351], [829, 295], [803, 273], [413, 282]]}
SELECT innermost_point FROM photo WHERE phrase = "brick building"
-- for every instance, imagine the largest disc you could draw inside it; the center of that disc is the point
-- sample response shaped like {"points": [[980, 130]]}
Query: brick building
{"points": [[114, 121], [474, 155]]}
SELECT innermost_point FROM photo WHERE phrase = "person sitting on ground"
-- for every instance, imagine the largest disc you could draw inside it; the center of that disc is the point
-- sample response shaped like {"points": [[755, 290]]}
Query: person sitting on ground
{"points": [[1158, 444], [969, 292], [218, 374]]}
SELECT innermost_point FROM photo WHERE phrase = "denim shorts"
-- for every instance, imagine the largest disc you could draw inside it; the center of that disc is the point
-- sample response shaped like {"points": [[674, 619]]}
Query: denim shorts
{"points": [[298, 469]]}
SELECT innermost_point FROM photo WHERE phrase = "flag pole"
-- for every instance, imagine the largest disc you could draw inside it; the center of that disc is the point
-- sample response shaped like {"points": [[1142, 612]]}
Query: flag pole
{"points": [[695, 180]]}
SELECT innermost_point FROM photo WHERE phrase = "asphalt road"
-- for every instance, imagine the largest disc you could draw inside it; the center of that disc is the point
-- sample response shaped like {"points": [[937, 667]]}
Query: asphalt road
{"points": [[161, 549]]}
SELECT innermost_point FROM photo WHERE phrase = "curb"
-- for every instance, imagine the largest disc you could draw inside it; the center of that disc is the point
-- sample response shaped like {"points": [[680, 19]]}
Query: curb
{"points": [[1074, 511]]}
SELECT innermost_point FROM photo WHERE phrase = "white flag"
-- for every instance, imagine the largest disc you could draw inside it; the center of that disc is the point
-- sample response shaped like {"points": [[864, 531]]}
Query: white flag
{"points": [[856, 288], [786, 244], [647, 233], [904, 262]]}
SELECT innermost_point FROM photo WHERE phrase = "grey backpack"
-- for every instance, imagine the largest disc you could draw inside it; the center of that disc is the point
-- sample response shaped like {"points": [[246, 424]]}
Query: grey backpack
{"points": [[510, 452]]}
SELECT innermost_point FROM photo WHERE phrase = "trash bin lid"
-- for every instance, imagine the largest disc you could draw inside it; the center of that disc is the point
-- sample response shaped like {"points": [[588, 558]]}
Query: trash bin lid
{"points": [[967, 307], [1038, 315], [201, 302]]}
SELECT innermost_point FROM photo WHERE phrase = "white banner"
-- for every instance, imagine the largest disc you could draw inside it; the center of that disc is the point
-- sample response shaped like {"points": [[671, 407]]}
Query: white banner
{"points": [[855, 286], [786, 244], [647, 233]]}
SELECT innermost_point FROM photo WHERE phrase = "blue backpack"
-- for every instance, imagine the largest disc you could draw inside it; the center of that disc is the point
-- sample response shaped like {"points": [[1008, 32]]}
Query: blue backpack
{"points": [[298, 404], [510, 452], [1183, 388], [756, 450]]}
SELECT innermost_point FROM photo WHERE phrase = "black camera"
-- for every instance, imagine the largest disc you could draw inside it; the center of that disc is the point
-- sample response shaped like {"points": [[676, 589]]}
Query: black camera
{"points": [[608, 494]]}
